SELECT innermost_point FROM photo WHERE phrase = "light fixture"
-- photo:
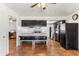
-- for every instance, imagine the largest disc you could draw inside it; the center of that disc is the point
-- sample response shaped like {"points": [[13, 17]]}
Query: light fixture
{"points": [[11, 18], [42, 5], [39, 5], [10, 21]]}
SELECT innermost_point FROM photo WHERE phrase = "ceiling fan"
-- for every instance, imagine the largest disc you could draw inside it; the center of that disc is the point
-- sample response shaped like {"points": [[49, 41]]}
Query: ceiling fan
{"points": [[41, 5]]}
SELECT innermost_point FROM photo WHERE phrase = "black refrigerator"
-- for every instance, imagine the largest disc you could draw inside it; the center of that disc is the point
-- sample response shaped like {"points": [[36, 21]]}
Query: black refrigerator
{"points": [[71, 36], [68, 38]]}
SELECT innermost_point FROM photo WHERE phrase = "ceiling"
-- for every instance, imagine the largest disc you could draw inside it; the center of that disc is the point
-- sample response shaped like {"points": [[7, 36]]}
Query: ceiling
{"points": [[58, 9]]}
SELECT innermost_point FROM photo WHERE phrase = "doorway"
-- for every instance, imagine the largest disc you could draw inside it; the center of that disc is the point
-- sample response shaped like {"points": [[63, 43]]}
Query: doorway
{"points": [[12, 35]]}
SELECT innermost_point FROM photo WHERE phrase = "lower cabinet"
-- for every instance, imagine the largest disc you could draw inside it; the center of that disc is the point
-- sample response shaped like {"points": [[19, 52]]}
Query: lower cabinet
{"points": [[33, 38]]}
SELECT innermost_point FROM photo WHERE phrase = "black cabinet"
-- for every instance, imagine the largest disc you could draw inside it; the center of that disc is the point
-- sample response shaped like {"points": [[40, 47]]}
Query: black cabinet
{"points": [[27, 38], [33, 38]]}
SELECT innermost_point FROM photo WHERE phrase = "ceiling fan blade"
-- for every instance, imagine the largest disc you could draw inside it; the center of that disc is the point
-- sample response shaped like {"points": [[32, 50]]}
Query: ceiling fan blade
{"points": [[52, 3], [34, 5]]}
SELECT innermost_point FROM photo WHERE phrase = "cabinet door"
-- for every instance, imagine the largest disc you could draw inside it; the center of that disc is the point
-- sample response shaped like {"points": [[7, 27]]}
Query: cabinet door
{"points": [[72, 35]]}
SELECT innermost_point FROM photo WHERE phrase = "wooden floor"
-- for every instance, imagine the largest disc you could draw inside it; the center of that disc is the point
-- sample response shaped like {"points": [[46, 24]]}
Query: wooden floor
{"points": [[40, 50]]}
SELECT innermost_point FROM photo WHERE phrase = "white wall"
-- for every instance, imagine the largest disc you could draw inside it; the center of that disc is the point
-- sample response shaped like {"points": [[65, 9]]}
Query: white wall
{"points": [[4, 28], [43, 17]]}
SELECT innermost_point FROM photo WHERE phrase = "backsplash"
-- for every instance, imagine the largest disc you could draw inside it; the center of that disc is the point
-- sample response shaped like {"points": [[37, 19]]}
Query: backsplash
{"points": [[31, 30]]}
